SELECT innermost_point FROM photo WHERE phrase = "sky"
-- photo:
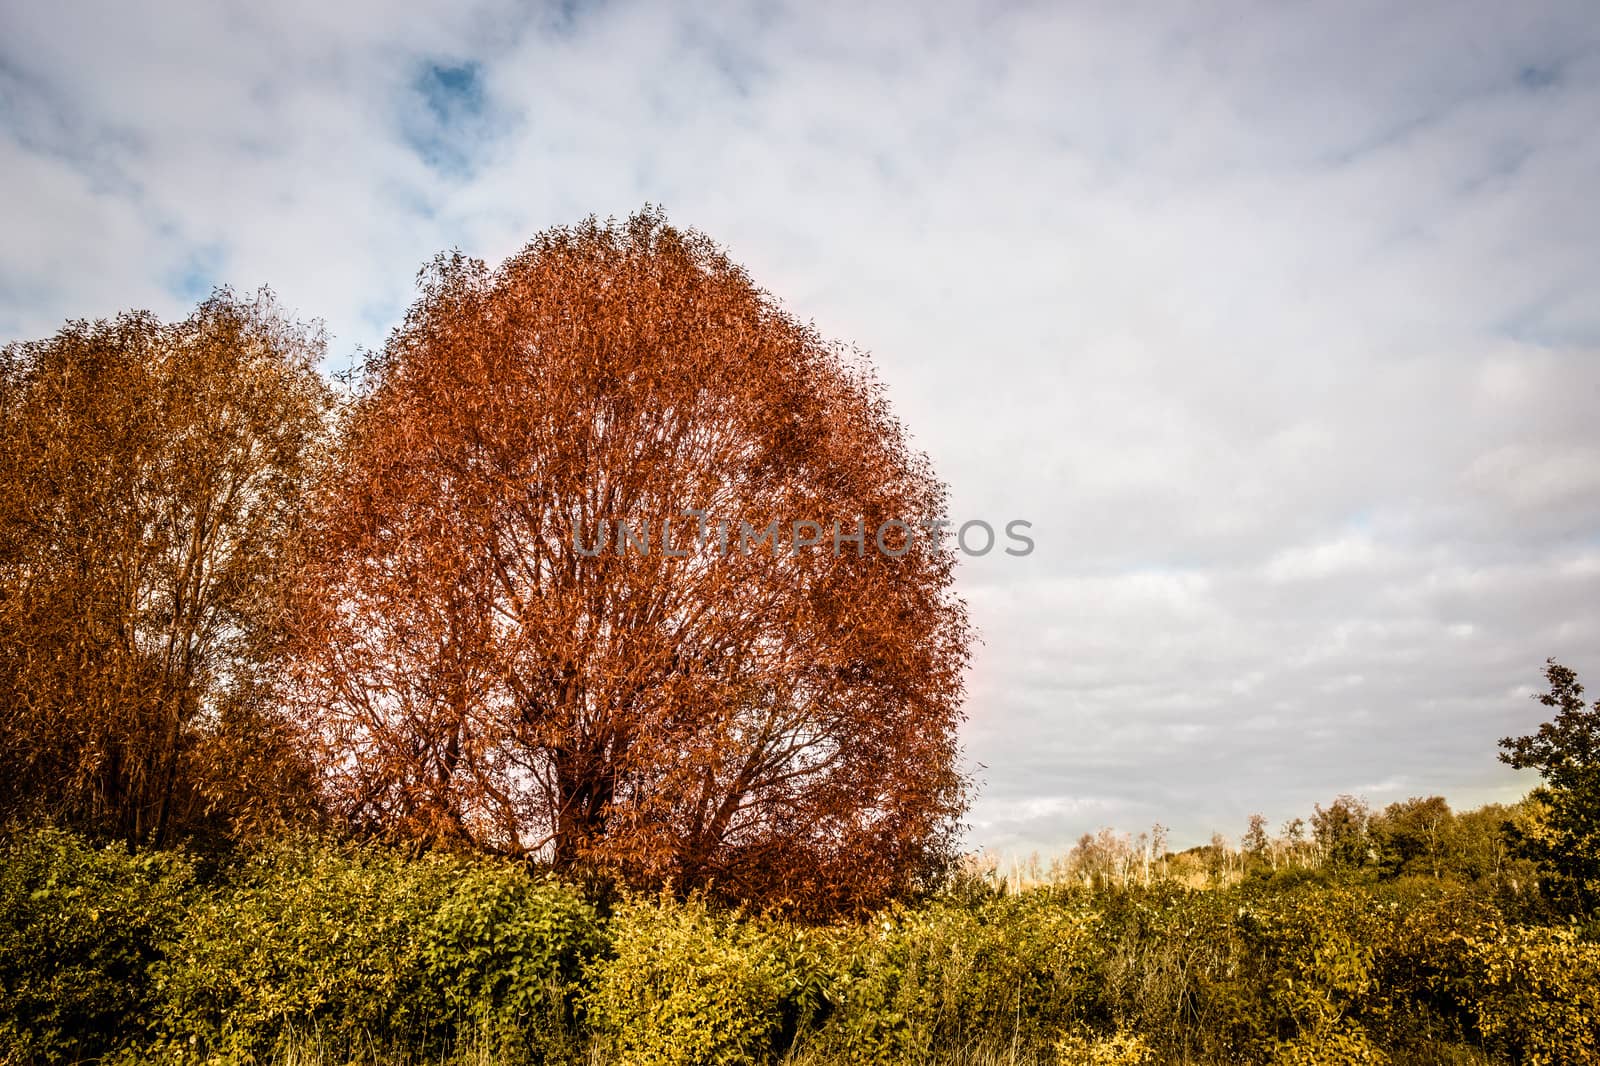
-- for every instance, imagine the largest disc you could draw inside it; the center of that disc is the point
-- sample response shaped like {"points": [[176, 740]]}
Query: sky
{"points": [[1280, 322]]}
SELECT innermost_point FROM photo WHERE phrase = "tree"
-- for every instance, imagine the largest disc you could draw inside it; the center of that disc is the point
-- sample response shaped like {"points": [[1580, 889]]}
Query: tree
{"points": [[1485, 846], [1341, 832], [568, 608], [1158, 849], [149, 478], [1255, 842], [1415, 837], [1219, 858], [1102, 860], [1565, 840], [1293, 839]]}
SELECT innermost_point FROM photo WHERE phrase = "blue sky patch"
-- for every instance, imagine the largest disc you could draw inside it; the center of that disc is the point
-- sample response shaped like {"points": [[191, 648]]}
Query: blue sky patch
{"points": [[197, 273], [447, 117]]}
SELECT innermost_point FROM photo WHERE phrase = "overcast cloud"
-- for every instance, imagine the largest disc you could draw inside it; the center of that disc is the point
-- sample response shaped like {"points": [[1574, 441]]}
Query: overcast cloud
{"points": [[1279, 321]]}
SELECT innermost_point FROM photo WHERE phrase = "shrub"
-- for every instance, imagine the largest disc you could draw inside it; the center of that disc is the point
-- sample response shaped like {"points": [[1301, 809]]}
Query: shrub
{"points": [[79, 928], [1330, 1043], [1173, 970], [312, 952], [1317, 953], [301, 940], [999, 973], [686, 983], [1085, 1047], [502, 957], [366, 948], [1537, 995]]}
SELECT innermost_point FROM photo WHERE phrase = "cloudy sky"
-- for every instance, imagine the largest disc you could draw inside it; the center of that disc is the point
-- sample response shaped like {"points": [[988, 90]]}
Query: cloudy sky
{"points": [[1280, 322]]}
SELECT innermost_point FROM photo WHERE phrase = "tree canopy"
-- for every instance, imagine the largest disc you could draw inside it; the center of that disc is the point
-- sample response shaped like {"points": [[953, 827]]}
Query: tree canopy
{"points": [[150, 475], [1565, 840], [490, 654]]}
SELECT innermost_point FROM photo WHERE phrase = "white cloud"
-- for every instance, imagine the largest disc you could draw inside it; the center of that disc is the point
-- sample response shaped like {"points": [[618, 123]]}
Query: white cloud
{"points": [[1342, 557]]}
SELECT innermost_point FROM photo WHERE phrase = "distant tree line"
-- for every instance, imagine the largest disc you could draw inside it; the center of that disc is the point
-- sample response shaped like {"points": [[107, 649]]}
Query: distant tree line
{"points": [[1547, 845], [1413, 838]]}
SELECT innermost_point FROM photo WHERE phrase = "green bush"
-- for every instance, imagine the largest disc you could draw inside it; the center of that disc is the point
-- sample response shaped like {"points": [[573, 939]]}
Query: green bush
{"points": [[363, 948], [685, 983], [79, 929], [996, 974], [502, 956], [1316, 954], [301, 940], [1537, 995], [317, 952]]}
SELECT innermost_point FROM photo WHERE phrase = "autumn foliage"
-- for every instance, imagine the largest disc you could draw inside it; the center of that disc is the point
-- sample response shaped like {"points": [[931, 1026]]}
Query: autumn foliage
{"points": [[151, 476], [488, 658]]}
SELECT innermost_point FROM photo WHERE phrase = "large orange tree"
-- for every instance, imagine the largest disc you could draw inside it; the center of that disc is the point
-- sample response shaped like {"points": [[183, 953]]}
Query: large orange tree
{"points": [[490, 658]]}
